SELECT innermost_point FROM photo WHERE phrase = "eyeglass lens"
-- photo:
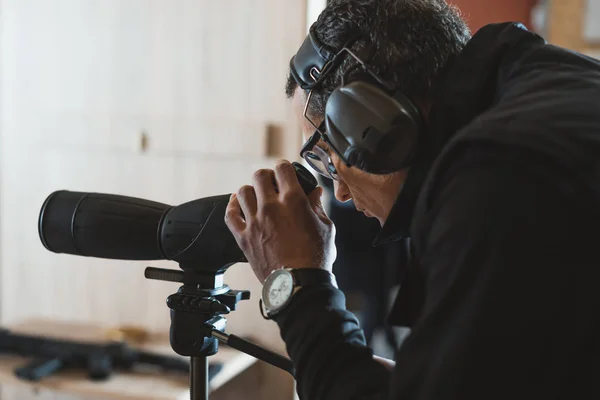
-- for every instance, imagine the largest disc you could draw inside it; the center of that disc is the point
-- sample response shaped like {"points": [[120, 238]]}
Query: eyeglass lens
{"points": [[319, 160]]}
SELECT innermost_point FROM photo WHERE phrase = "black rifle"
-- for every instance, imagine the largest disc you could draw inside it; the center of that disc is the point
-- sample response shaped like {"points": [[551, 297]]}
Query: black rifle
{"points": [[51, 355]]}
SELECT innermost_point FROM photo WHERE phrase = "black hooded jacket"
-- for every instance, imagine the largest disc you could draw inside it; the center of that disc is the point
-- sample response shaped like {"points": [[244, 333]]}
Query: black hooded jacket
{"points": [[503, 213]]}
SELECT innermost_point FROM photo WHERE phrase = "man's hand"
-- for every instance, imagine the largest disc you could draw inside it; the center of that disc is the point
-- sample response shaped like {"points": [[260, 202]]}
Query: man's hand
{"points": [[277, 225]]}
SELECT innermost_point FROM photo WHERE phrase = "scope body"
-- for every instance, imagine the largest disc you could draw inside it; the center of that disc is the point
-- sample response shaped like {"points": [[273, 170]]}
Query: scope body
{"points": [[193, 234]]}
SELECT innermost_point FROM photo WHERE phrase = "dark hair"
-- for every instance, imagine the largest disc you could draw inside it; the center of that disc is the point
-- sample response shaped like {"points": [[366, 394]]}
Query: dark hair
{"points": [[407, 42]]}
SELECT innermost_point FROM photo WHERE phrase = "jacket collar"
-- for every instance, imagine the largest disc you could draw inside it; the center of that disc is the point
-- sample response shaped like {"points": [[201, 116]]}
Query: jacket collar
{"points": [[465, 88]]}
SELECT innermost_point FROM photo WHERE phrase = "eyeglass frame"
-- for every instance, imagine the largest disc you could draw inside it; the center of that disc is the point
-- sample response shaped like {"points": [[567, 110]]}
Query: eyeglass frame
{"points": [[319, 133], [311, 148]]}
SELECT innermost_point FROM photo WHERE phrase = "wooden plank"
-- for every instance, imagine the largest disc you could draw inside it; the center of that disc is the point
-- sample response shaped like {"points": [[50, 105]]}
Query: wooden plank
{"points": [[122, 386], [135, 385], [591, 25], [165, 136], [565, 23]]}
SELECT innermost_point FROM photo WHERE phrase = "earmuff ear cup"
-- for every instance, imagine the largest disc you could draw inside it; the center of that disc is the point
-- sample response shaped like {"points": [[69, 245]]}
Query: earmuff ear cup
{"points": [[370, 129]]}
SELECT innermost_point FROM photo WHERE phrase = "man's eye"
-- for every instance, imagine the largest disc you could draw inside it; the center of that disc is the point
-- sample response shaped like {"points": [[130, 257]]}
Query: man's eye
{"points": [[326, 149]]}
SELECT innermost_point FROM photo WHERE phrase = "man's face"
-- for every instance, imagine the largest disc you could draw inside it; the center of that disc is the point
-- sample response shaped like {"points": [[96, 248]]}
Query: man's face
{"points": [[374, 195]]}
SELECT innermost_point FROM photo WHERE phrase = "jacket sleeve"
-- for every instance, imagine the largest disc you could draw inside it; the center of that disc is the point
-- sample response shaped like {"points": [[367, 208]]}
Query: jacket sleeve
{"points": [[508, 257], [328, 348]]}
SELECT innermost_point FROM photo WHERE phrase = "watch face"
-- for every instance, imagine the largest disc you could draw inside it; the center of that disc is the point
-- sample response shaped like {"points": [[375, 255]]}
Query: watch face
{"points": [[278, 289]]}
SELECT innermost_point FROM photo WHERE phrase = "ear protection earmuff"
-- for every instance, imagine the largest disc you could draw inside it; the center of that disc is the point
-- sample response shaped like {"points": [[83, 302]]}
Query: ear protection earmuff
{"points": [[367, 123]]}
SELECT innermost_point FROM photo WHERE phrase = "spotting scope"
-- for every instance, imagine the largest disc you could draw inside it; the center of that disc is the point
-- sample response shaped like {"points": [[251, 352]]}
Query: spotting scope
{"points": [[110, 226]]}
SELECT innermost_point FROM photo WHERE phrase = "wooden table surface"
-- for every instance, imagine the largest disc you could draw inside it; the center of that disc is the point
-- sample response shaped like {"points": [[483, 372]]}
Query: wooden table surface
{"points": [[134, 385]]}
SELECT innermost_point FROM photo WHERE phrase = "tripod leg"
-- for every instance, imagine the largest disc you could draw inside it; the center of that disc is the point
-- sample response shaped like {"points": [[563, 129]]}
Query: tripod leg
{"points": [[199, 378]]}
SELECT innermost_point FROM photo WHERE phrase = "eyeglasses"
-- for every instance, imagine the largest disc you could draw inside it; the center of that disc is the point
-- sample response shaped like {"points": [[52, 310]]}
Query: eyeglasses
{"points": [[314, 155], [320, 161]]}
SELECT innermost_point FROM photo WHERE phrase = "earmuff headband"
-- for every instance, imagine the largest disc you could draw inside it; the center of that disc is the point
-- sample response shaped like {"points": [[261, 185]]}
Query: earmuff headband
{"points": [[309, 62]]}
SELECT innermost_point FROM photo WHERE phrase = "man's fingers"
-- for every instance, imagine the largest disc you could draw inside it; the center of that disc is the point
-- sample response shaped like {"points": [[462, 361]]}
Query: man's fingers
{"points": [[247, 199], [314, 198], [233, 216], [264, 181], [287, 181], [315, 202]]}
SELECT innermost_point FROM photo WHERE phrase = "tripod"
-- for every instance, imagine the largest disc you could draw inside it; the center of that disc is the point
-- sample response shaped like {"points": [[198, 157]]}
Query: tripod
{"points": [[197, 324]]}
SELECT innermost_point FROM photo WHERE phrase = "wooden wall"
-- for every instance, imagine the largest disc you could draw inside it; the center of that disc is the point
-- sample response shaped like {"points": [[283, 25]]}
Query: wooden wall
{"points": [[575, 24], [482, 12], [566, 24], [159, 99]]}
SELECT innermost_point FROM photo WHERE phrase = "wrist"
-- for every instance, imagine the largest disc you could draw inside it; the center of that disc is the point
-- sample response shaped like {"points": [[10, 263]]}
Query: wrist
{"points": [[309, 276], [282, 285]]}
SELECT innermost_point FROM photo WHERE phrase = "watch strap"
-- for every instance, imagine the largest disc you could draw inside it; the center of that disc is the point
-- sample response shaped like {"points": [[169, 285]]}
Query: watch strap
{"points": [[313, 276]]}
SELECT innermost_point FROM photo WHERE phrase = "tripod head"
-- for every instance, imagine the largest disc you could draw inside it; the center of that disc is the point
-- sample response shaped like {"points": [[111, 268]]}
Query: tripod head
{"points": [[196, 309], [197, 322]]}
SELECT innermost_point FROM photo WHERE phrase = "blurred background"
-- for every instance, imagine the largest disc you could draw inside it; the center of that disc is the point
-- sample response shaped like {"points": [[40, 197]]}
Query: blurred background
{"points": [[173, 100]]}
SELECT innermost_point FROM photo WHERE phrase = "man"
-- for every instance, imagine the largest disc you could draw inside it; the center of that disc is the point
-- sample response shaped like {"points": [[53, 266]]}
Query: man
{"points": [[501, 203]]}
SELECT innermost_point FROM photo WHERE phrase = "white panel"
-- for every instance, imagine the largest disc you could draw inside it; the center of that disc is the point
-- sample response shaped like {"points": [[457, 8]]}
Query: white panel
{"points": [[95, 74], [80, 81], [314, 8], [591, 31]]}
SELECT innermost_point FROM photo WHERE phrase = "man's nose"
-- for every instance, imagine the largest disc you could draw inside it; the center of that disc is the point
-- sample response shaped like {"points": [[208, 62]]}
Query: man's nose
{"points": [[341, 190]]}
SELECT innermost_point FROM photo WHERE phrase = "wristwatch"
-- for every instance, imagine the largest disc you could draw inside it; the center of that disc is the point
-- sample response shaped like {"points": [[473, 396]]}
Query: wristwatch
{"points": [[282, 284]]}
